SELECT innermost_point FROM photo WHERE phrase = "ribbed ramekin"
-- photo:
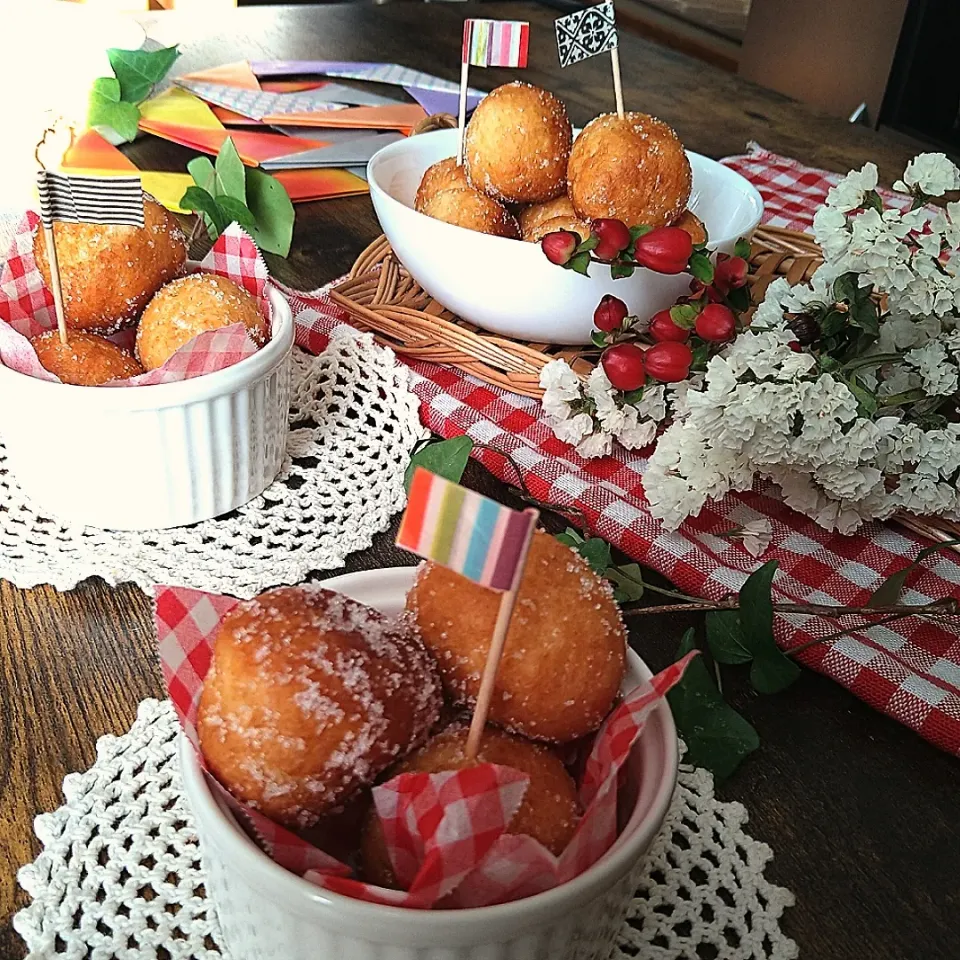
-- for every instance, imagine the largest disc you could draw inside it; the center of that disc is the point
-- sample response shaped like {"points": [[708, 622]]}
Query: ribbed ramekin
{"points": [[267, 913], [143, 458]]}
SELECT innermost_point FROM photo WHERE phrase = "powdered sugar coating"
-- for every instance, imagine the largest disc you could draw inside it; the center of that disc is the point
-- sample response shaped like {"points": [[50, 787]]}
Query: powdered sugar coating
{"points": [[565, 653], [309, 697], [517, 144], [633, 168]]}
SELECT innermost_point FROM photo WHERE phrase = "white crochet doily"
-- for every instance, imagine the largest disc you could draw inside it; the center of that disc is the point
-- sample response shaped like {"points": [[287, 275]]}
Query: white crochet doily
{"points": [[353, 424], [120, 874]]}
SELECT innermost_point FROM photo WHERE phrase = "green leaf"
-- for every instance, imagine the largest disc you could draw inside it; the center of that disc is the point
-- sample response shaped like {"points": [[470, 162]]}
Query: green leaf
{"points": [[685, 315], [200, 201], [701, 266], [579, 263], [717, 737], [639, 231], [634, 396], [742, 248], [619, 271], [271, 206], [739, 299], [828, 364], [570, 537], [445, 458], [771, 671], [866, 402], [139, 70], [701, 353], [236, 210], [231, 176], [589, 244], [888, 593], [833, 323], [597, 553], [628, 582], [871, 200], [725, 637], [106, 110], [845, 287], [598, 338], [201, 169]]}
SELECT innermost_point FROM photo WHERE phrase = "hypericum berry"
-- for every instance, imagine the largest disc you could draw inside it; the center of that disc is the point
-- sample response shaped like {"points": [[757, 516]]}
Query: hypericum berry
{"points": [[794, 345], [623, 365], [664, 250], [560, 246], [716, 323], [699, 289], [614, 237], [805, 328], [668, 362], [730, 273], [663, 328], [610, 313]]}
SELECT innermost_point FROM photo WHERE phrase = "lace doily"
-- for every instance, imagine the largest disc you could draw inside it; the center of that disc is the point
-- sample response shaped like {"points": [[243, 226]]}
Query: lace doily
{"points": [[120, 869], [353, 424]]}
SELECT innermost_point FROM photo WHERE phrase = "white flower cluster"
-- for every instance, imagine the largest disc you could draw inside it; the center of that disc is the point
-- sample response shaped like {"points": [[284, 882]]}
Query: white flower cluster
{"points": [[591, 415]]}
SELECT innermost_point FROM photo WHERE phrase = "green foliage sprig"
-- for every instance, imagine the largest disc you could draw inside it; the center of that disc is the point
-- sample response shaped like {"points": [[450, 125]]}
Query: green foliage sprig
{"points": [[114, 103], [226, 191]]}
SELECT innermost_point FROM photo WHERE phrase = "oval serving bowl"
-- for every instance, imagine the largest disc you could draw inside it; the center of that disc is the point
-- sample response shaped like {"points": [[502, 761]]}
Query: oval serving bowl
{"points": [[508, 286]]}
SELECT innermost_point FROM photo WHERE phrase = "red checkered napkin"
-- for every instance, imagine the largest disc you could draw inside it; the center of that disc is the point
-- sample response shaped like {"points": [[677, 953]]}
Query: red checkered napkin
{"points": [[26, 309], [910, 670], [445, 833]]}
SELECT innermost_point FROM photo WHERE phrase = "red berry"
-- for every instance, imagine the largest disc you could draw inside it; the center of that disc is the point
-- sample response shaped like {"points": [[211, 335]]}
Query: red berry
{"points": [[559, 246], [700, 290], [610, 313], [623, 365], [794, 345], [730, 273], [663, 328], [614, 237], [664, 250], [716, 323], [668, 361]]}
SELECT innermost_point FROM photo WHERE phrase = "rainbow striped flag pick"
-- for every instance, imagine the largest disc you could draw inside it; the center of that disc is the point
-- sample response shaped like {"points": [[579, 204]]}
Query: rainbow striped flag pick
{"points": [[465, 531], [495, 43]]}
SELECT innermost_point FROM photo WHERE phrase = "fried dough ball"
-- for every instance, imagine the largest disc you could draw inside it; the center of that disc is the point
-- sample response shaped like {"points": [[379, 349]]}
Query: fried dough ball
{"points": [[309, 697], [549, 811], [633, 168], [189, 306], [572, 223], [443, 175], [565, 652], [517, 144], [86, 360], [693, 225], [109, 272], [531, 217], [468, 208]]}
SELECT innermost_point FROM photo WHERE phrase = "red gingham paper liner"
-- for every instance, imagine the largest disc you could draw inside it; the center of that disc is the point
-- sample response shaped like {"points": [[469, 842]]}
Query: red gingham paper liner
{"points": [[26, 306], [910, 670], [445, 833]]}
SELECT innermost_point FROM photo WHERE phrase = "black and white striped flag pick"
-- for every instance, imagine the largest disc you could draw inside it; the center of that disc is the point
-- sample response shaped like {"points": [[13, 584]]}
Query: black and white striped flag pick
{"points": [[81, 199]]}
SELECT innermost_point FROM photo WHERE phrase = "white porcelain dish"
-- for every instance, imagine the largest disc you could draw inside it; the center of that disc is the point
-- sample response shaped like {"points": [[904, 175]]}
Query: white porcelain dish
{"points": [[144, 458], [509, 287], [267, 913]]}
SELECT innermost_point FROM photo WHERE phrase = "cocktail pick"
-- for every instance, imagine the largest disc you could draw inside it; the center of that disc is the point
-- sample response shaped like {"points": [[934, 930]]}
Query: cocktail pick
{"points": [[489, 43], [480, 539], [589, 32], [81, 199]]}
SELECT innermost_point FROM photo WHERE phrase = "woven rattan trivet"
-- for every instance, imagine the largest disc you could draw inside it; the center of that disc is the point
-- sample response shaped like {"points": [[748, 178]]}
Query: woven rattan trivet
{"points": [[382, 297]]}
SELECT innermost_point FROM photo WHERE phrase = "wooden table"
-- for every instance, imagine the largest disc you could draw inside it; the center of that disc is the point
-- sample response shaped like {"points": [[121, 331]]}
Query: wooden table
{"points": [[861, 813]]}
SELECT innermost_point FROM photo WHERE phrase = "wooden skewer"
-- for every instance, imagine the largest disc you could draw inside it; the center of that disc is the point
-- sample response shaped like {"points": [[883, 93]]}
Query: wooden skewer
{"points": [[462, 117], [617, 83], [507, 602], [55, 283]]}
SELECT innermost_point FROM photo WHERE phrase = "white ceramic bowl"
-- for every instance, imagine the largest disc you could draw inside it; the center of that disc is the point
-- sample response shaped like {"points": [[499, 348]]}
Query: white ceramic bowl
{"points": [[267, 913], [143, 458], [509, 287]]}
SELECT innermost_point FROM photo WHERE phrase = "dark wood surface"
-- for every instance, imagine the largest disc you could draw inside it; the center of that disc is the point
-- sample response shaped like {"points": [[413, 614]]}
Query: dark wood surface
{"points": [[860, 812]]}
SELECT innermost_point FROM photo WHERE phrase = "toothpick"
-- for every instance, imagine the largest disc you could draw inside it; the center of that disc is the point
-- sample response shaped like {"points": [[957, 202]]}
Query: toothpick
{"points": [[507, 602], [51, 242], [617, 84], [462, 120]]}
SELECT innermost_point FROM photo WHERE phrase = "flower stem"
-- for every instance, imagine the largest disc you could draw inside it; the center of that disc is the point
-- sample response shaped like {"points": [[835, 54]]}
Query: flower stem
{"points": [[908, 396], [942, 608], [872, 361], [793, 651]]}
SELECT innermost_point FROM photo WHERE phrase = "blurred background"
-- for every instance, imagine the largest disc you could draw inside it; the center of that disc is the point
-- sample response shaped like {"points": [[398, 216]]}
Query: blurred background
{"points": [[877, 62]]}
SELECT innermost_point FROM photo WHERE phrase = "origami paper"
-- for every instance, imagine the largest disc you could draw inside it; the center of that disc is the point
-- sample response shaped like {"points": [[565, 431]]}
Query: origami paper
{"points": [[305, 185], [291, 86], [403, 117], [349, 153], [178, 107], [92, 155], [230, 119], [253, 146], [236, 74], [166, 188], [256, 104], [442, 101]]}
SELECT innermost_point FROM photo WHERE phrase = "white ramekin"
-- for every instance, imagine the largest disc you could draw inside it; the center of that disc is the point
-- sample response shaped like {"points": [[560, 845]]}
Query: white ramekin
{"points": [[267, 913], [143, 458]]}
